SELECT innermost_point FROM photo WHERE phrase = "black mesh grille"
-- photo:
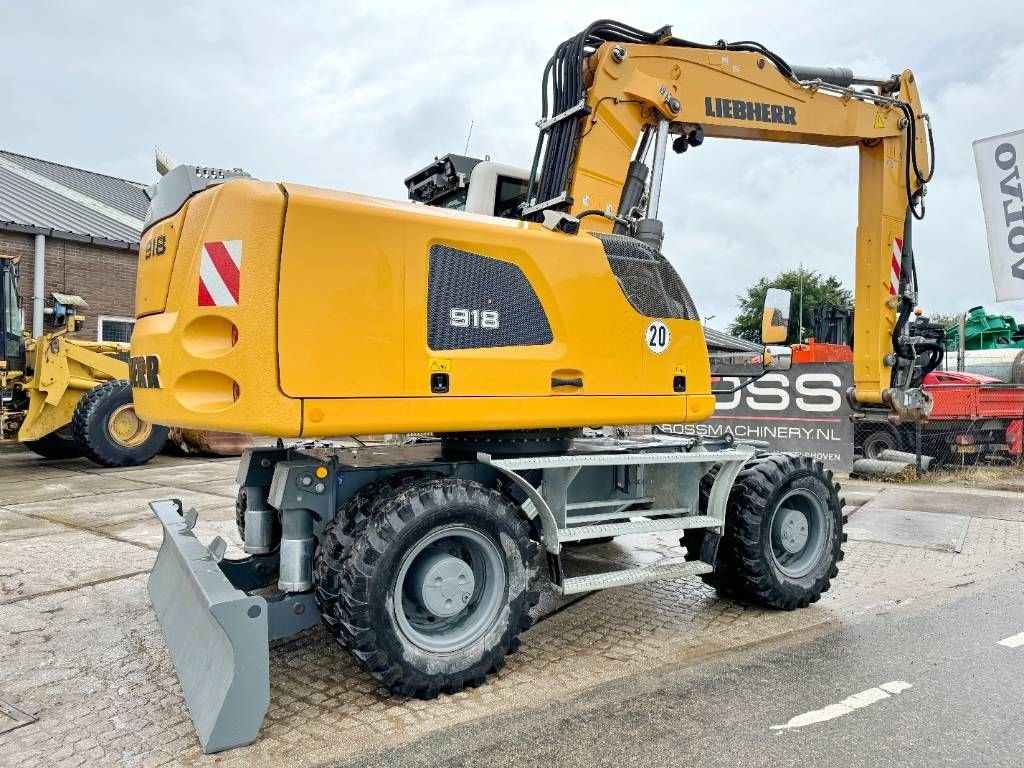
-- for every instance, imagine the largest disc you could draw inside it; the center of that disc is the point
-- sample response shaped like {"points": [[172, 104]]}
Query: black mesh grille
{"points": [[470, 283], [647, 279]]}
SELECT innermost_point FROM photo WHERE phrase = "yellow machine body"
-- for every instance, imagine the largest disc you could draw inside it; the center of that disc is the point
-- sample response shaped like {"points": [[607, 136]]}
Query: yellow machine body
{"points": [[329, 335], [51, 374], [64, 370]]}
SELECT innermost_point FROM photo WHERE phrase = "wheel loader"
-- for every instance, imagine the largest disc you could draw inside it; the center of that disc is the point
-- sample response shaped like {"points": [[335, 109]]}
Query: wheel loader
{"points": [[504, 315], [62, 397]]}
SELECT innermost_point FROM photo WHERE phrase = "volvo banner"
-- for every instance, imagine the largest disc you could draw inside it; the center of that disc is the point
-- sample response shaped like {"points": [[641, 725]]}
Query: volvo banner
{"points": [[1000, 160], [802, 410]]}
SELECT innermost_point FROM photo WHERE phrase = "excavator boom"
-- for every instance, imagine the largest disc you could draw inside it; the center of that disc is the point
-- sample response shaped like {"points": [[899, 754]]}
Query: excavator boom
{"points": [[634, 89]]}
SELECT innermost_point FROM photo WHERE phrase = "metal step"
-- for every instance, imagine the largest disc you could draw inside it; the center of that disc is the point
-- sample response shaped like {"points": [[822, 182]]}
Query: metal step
{"points": [[674, 570], [584, 532], [618, 515], [607, 503]]}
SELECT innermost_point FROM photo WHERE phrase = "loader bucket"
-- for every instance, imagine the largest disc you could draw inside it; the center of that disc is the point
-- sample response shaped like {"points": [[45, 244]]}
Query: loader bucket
{"points": [[217, 635]]}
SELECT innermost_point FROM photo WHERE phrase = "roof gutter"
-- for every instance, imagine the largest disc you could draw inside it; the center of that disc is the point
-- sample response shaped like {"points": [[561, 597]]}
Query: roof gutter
{"points": [[60, 234]]}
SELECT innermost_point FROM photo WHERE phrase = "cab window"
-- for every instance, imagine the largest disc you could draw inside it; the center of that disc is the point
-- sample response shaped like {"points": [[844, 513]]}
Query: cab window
{"points": [[509, 196]]}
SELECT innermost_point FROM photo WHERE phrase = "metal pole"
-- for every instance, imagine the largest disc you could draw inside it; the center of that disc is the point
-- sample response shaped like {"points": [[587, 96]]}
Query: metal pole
{"points": [[921, 471], [800, 316], [660, 146], [38, 285]]}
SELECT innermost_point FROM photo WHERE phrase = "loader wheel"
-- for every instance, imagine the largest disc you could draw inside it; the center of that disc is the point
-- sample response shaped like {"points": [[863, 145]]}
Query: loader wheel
{"points": [[59, 444], [783, 532], [434, 590], [108, 430]]}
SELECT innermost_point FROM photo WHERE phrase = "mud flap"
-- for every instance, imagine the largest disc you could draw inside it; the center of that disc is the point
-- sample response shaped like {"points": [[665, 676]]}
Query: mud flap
{"points": [[217, 634]]}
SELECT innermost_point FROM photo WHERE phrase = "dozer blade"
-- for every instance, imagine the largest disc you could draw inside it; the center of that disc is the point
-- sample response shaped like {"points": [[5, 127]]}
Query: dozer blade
{"points": [[217, 635]]}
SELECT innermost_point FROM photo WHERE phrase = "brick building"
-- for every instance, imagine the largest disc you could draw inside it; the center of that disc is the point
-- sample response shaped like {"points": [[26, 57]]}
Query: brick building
{"points": [[87, 226]]}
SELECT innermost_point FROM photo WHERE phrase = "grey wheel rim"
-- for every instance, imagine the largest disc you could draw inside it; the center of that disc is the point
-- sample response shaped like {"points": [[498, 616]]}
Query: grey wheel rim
{"points": [[799, 533], [450, 589]]}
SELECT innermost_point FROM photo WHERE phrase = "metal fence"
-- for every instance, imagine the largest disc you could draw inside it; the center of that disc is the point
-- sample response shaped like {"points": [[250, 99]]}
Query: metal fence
{"points": [[969, 426]]}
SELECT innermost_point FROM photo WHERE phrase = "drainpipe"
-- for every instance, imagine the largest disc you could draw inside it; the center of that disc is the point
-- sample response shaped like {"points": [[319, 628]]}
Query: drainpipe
{"points": [[38, 285]]}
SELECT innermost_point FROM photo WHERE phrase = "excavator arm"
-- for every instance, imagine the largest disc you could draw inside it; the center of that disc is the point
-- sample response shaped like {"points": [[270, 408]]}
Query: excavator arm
{"points": [[613, 97]]}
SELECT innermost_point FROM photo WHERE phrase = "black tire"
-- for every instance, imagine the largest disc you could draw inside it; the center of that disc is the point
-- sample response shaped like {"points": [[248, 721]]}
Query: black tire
{"points": [[350, 522], [693, 539], [748, 565], [240, 505], [878, 440], [92, 424], [56, 445], [358, 598]]}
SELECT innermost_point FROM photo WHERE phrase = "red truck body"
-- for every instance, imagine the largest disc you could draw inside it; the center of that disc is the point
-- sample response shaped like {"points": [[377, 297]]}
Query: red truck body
{"points": [[971, 415]]}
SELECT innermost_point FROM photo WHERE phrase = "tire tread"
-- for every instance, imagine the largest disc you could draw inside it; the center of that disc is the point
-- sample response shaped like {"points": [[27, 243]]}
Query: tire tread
{"points": [[359, 537]]}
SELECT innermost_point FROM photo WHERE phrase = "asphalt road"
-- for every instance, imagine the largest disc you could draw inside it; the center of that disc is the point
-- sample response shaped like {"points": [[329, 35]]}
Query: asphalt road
{"points": [[961, 707]]}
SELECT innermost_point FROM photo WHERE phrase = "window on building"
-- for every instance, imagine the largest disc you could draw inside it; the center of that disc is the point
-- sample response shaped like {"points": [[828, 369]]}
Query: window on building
{"points": [[115, 328]]}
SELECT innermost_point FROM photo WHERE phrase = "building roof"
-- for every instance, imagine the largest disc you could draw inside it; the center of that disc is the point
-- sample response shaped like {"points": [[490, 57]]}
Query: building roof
{"points": [[723, 342], [41, 197]]}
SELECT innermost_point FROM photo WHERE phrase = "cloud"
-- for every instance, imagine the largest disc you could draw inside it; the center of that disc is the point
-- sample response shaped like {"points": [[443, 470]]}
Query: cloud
{"points": [[358, 95]]}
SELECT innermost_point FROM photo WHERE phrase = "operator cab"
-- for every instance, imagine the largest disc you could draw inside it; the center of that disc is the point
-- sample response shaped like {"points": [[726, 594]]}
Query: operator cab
{"points": [[12, 349], [469, 184]]}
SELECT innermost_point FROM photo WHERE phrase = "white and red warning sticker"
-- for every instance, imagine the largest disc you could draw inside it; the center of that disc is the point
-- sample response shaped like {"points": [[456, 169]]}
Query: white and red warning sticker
{"points": [[220, 268], [895, 266]]}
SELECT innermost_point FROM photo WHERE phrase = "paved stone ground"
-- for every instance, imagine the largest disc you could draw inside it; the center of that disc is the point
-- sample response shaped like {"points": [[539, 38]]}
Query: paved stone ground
{"points": [[79, 640]]}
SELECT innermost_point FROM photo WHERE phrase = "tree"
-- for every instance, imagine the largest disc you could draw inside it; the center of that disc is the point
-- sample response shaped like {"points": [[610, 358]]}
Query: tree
{"points": [[817, 289]]}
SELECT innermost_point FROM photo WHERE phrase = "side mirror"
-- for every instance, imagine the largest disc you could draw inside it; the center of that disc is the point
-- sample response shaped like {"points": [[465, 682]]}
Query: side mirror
{"points": [[778, 358], [775, 316]]}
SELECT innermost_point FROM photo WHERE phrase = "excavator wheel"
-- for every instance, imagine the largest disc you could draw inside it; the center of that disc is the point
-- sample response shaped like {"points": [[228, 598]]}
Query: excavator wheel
{"points": [[349, 522], [109, 432], [59, 444], [435, 587], [693, 539], [783, 533]]}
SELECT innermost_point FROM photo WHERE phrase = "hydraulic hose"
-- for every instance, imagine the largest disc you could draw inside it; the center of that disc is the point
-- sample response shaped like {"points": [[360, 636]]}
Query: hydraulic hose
{"points": [[564, 76]]}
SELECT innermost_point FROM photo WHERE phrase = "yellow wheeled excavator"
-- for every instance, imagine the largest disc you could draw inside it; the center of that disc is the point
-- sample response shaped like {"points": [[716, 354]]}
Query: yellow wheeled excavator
{"points": [[503, 327], [63, 397]]}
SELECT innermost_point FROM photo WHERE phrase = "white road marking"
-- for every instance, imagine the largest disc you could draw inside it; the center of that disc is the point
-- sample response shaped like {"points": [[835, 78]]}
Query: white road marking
{"points": [[1014, 641], [846, 706]]}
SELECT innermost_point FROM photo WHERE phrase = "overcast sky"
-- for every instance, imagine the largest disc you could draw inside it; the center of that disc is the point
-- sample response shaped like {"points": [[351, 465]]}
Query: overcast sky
{"points": [[356, 96]]}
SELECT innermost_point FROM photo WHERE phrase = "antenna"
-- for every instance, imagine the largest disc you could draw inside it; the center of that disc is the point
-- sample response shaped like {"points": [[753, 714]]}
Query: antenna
{"points": [[468, 136]]}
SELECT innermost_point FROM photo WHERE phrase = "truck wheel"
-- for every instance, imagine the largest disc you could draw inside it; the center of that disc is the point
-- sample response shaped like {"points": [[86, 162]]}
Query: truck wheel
{"points": [[108, 430], [879, 440], [784, 532], [59, 444], [434, 590]]}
